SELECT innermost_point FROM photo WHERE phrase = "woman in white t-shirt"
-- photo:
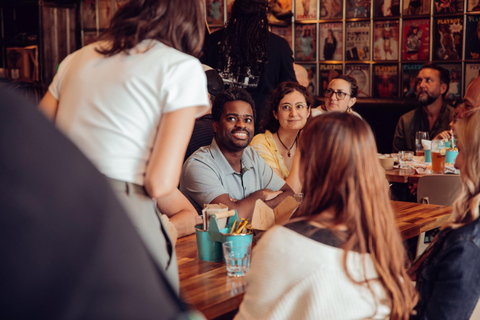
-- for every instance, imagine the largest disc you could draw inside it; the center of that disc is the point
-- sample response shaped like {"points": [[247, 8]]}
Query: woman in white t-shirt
{"points": [[129, 102]]}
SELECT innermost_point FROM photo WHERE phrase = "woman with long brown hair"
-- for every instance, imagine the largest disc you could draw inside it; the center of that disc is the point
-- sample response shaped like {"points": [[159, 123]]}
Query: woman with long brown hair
{"points": [[129, 102], [343, 257], [448, 279]]}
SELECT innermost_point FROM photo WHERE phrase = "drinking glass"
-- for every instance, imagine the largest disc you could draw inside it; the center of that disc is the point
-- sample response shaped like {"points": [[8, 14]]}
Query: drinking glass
{"points": [[419, 136], [438, 156], [404, 159], [237, 257]]}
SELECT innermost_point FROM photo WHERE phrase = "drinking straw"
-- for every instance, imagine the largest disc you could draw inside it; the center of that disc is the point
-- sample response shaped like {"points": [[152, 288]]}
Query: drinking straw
{"points": [[451, 133]]}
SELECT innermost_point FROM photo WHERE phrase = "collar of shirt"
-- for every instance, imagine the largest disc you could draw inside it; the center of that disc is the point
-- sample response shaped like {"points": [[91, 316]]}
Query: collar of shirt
{"points": [[223, 164]]}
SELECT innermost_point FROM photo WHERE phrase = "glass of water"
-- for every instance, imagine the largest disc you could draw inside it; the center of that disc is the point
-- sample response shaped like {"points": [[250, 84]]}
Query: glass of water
{"points": [[237, 257]]}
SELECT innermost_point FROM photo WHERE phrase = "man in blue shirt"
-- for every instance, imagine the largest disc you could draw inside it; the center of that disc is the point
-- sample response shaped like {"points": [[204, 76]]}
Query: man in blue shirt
{"points": [[229, 171]]}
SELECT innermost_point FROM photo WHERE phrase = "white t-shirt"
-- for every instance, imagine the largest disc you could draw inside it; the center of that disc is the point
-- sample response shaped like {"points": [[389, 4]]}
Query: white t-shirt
{"points": [[111, 106]]}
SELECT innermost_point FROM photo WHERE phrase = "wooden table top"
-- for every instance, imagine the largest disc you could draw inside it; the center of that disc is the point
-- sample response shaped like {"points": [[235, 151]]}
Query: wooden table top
{"points": [[206, 287], [403, 176]]}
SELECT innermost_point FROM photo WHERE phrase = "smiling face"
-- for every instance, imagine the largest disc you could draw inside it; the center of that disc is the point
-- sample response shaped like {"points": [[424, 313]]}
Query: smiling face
{"points": [[292, 112], [235, 129], [333, 103]]}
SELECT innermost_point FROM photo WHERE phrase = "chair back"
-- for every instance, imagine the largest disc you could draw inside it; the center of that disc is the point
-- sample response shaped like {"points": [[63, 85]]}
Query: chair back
{"points": [[439, 189]]}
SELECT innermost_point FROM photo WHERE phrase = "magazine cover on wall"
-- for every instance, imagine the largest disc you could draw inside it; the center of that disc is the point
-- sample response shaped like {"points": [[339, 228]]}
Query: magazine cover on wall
{"points": [[473, 5], [358, 8], [385, 40], [312, 77], [331, 41], [472, 71], [229, 8], [472, 45], [386, 8], [105, 13], [331, 9], [385, 80], [409, 79], [455, 88], [447, 40], [327, 73], [416, 39], [358, 41], [215, 12], [416, 7], [284, 32], [213, 29], [305, 9], [448, 6], [361, 73], [305, 43]]}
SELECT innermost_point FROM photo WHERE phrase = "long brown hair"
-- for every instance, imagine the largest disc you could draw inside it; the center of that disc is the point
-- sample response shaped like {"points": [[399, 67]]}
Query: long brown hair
{"points": [[177, 23], [466, 207], [342, 175]]}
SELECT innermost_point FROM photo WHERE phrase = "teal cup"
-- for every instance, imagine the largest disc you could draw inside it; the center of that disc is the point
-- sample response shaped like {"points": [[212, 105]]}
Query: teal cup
{"points": [[208, 249], [450, 156], [428, 155]]}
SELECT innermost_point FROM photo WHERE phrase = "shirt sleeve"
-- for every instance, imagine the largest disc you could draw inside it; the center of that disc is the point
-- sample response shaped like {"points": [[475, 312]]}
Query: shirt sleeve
{"points": [[200, 183], [56, 84], [193, 89], [399, 137], [265, 150]]}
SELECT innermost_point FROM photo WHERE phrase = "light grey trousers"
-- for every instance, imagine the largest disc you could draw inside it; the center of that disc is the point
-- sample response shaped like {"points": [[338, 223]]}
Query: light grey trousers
{"points": [[146, 219]]}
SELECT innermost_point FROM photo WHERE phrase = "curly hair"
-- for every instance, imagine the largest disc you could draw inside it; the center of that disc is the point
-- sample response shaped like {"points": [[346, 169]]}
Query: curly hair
{"points": [[352, 81], [232, 94], [245, 40], [176, 23], [269, 122]]}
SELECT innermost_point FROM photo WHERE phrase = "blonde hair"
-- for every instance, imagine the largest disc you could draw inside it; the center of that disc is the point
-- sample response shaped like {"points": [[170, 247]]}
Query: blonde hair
{"points": [[465, 208], [342, 176]]}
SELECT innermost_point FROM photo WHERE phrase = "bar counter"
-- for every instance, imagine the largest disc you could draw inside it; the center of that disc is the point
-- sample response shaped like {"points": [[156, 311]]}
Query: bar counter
{"points": [[206, 287]]}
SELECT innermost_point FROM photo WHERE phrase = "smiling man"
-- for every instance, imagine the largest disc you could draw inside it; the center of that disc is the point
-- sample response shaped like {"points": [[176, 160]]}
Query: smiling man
{"points": [[229, 171], [433, 115]]}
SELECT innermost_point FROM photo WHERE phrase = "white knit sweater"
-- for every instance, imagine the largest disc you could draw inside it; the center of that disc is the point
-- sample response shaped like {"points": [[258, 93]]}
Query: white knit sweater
{"points": [[294, 277]]}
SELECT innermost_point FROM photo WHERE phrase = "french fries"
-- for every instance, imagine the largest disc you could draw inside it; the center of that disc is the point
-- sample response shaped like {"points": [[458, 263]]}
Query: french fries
{"points": [[241, 227]]}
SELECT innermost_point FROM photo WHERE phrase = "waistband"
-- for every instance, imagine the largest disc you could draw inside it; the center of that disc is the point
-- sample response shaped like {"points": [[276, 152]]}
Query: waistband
{"points": [[127, 187]]}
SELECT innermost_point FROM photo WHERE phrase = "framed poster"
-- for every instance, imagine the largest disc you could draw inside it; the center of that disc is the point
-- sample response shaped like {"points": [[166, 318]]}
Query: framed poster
{"points": [[385, 40], [416, 39], [409, 79], [215, 12], [357, 46], [88, 14], [448, 38], [331, 41], [455, 87], [105, 13], [327, 73], [416, 7], [472, 71], [473, 5], [331, 9], [361, 73], [472, 45], [385, 79], [284, 32], [358, 8], [305, 42], [447, 6], [312, 78], [305, 9], [386, 8]]}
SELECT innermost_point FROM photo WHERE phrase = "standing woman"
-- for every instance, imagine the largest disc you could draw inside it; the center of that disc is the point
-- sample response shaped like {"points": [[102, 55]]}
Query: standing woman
{"points": [[289, 109], [448, 280], [330, 45], [129, 103], [344, 257]]}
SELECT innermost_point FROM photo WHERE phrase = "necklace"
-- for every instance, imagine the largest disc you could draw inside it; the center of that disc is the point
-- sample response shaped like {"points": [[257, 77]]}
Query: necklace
{"points": [[289, 154]]}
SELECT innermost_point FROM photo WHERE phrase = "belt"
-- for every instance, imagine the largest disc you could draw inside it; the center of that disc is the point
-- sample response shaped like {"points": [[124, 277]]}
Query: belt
{"points": [[127, 187]]}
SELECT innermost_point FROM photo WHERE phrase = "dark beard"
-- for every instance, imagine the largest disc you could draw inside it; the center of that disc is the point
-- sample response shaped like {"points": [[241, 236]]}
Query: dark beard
{"points": [[427, 101]]}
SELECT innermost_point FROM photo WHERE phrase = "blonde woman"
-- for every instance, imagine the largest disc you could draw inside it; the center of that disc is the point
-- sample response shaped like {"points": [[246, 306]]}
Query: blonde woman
{"points": [[448, 279], [343, 258]]}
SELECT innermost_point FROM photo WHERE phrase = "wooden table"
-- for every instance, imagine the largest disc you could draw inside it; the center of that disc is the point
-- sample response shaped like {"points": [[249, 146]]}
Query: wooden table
{"points": [[206, 287], [403, 175]]}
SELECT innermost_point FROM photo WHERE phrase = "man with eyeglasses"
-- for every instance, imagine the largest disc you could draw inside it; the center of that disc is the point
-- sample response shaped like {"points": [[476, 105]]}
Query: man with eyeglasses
{"points": [[229, 171], [432, 116]]}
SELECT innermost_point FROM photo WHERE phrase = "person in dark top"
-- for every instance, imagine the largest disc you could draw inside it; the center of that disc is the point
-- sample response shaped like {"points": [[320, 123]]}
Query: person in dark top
{"points": [[68, 248], [203, 133], [247, 55]]}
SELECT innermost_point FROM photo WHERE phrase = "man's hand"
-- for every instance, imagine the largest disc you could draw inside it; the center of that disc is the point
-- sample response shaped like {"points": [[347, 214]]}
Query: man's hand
{"points": [[446, 135], [270, 194]]}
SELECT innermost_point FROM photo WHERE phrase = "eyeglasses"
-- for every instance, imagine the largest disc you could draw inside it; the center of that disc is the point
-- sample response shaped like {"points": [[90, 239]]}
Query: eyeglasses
{"points": [[287, 108], [339, 94]]}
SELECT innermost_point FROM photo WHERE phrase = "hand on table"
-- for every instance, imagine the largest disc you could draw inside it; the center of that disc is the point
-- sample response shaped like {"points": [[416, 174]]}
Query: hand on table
{"points": [[446, 135]]}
